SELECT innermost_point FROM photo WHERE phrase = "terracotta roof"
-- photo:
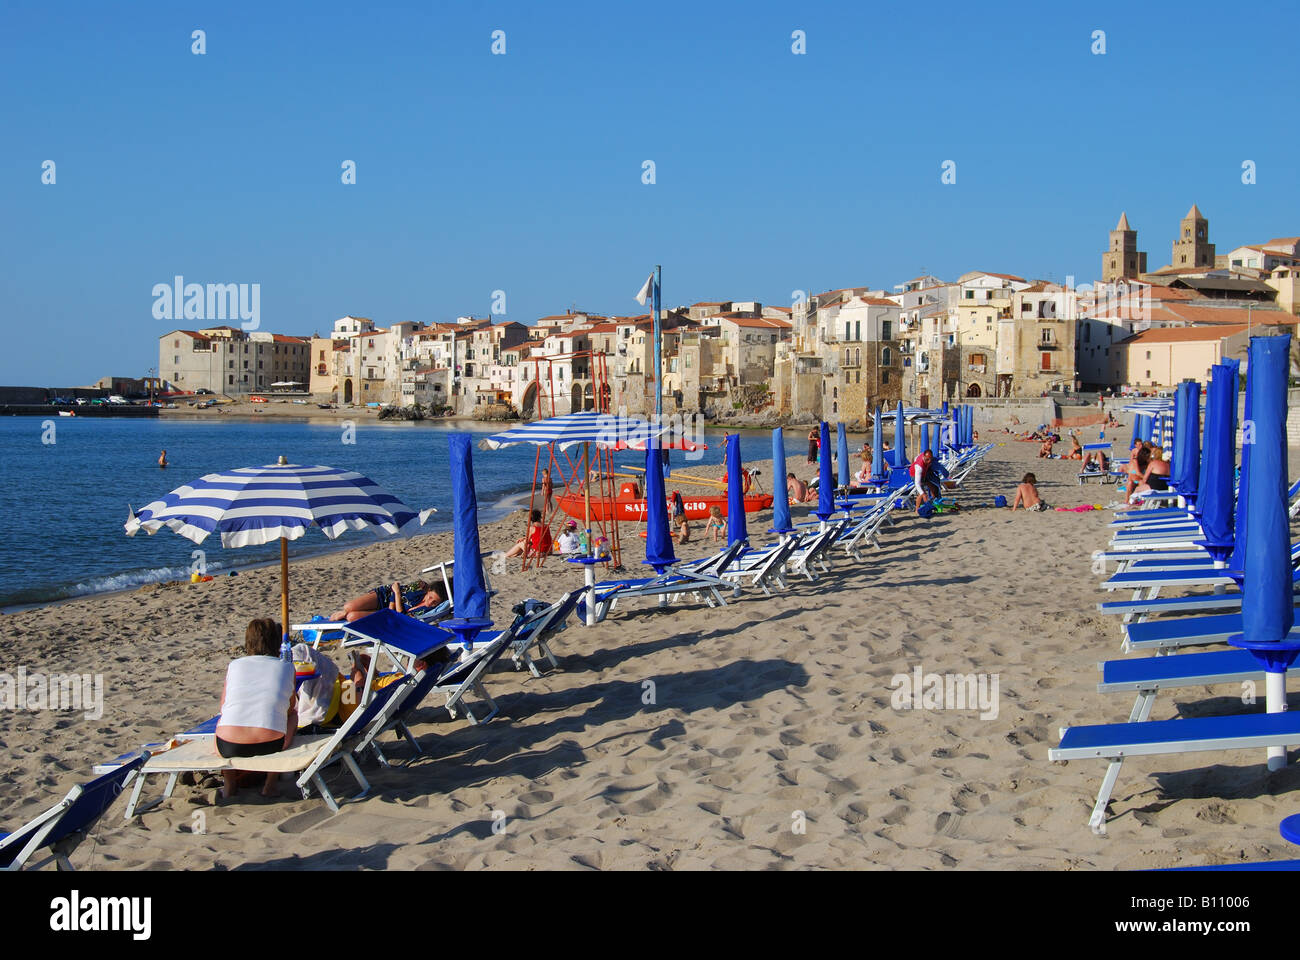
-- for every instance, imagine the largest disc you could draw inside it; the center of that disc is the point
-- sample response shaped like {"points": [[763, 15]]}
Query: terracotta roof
{"points": [[189, 333], [1001, 276], [1184, 334], [1229, 315], [782, 309], [766, 323]]}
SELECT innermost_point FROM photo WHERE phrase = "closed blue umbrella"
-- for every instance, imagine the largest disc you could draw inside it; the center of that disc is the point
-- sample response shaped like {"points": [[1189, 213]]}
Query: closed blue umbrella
{"points": [[925, 436], [1203, 464], [1218, 464], [736, 532], [842, 454], [825, 482], [1187, 442], [900, 438], [878, 465], [781, 522], [936, 441], [470, 598], [1267, 604], [1240, 519], [658, 544]]}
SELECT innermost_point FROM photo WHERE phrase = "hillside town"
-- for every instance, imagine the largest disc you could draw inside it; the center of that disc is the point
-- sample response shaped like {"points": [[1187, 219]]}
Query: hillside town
{"points": [[833, 355]]}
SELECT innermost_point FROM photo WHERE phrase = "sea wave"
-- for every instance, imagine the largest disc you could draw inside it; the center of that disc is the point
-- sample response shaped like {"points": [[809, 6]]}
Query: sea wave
{"points": [[112, 583]]}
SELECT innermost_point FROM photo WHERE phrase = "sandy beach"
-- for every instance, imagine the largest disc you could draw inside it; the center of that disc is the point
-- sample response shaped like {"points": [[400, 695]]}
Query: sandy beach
{"points": [[770, 740]]}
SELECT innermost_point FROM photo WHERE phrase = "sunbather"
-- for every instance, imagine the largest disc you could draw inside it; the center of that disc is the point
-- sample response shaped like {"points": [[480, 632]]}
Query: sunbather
{"points": [[1156, 475], [404, 598], [258, 714], [798, 490], [1076, 449], [1027, 495], [538, 539]]}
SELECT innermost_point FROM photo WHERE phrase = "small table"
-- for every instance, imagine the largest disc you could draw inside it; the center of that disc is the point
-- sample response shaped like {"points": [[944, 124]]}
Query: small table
{"points": [[466, 628], [590, 578]]}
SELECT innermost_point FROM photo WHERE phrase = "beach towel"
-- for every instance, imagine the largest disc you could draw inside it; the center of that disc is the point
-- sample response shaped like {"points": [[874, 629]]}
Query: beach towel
{"points": [[1081, 508]]}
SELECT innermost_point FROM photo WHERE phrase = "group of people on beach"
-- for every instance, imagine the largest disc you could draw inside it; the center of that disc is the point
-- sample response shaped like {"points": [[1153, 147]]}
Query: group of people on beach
{"points": [[1147, 469]]}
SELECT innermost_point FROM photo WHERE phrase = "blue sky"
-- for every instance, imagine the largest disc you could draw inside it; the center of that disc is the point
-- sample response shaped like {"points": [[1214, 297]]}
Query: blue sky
{"points": [[774, 171]]}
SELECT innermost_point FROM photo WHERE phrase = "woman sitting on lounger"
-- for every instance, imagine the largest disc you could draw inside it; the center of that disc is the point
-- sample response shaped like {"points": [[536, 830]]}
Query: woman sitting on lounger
{"points": [[258, 714], [1156, 475], [404, 598], [538, 539], [1137, 468]]}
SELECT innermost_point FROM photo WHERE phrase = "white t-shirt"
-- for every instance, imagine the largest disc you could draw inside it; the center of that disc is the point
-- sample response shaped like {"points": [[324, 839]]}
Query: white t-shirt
{"points": [[568, 542], [258, 690]]}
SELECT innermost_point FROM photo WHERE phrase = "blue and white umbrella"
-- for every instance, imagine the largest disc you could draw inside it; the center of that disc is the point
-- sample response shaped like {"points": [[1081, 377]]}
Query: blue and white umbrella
{"points": [[570, 429], [256, 505]]}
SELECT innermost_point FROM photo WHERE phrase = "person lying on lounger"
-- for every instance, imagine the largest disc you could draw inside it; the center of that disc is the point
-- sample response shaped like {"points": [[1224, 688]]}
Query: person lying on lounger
{"points": [[258, 715], [404, 598]]}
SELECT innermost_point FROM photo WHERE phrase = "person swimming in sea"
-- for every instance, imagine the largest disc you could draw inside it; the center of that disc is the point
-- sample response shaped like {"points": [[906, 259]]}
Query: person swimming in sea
{"points": [[162, 459]]}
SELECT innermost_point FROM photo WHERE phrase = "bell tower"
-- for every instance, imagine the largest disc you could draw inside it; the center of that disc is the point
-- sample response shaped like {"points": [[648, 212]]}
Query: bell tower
{"points": [[1193, 247], [1123, 261]]}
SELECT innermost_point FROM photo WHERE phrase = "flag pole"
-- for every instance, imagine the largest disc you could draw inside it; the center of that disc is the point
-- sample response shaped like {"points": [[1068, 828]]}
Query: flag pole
{"points": [[658, 333]]}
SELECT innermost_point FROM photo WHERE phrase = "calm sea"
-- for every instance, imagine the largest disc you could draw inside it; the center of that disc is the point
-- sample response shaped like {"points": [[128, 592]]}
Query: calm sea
{"points": [[62, 504]]}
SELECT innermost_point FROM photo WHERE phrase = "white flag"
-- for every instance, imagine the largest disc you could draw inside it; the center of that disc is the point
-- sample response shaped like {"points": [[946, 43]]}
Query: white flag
{"points": [[646, 290]]}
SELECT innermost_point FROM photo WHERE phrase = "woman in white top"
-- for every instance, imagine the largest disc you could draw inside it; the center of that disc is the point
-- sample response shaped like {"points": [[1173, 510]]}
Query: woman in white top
{"points": [[258, 714]]}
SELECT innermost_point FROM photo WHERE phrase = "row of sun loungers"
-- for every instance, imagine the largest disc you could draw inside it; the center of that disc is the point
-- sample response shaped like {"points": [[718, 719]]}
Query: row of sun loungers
{"points": [[1157, 548], [402, 651]]}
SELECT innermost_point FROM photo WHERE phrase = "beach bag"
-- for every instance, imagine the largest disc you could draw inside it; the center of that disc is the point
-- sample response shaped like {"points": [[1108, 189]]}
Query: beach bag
{"points": [[999, 501], [925, 510]]}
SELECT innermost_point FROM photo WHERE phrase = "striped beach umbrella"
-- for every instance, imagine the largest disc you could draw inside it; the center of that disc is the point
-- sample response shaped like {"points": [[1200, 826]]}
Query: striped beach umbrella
{"points": [[571, 429], [251, 506]]}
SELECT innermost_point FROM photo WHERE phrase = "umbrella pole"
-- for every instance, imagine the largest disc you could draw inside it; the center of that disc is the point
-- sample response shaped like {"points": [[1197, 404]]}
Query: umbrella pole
{"points": [[284, 598], [591, 547]]}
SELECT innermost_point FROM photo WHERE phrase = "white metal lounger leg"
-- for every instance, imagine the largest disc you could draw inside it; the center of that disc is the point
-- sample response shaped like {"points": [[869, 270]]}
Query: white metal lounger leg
{"points": [[1097, 820], [135, 795], [1140, 713], [324, 792], [362, 782]]}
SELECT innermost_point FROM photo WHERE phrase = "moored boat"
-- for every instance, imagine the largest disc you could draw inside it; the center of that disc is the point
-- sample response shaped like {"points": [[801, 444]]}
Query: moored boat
{"points": [[630, 505]]}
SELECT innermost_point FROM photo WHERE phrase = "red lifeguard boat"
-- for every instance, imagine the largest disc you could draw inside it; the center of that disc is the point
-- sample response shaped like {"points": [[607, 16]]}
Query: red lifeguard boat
{"points": [[630, 505]]}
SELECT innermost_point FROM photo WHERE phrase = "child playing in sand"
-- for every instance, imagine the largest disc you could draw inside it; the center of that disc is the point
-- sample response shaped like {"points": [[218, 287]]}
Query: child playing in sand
{"points": [[1027, 495], [716, 523]]}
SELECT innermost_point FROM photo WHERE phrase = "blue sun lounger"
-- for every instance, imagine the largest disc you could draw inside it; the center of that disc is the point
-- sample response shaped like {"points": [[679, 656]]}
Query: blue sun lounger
{"points": [[1168, 635], [1108, 449], [1199, 603], [1116, 741], [65, 824], [1147, 676]]}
